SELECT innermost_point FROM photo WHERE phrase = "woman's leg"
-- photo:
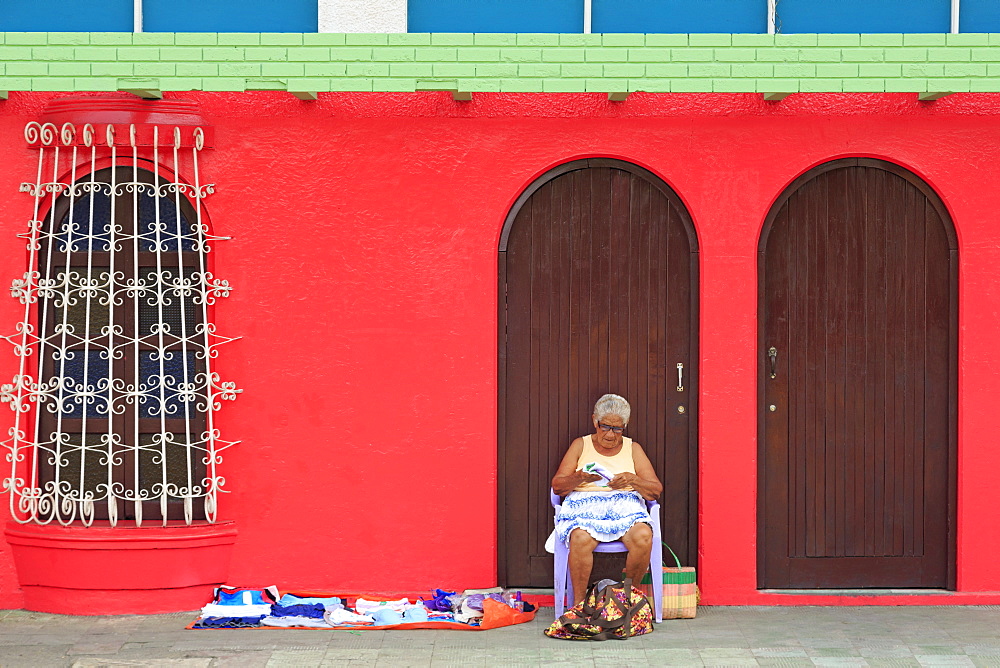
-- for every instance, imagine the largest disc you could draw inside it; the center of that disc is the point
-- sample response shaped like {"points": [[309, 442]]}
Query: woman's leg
{"points": [[581, 561], [639, 541]]}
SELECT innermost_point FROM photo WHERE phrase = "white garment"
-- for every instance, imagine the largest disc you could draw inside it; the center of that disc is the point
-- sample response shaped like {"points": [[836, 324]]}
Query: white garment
{"points": [[342, 616], [295, 621], [467, 613], [364, 606], [216, 610]]}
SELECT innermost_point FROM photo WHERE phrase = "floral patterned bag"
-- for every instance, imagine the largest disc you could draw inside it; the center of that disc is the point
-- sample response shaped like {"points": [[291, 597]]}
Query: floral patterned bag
{"points": [[609, 611]]}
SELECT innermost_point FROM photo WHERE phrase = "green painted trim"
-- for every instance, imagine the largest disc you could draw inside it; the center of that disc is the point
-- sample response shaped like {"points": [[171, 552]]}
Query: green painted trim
{"points": [[612, 63]]}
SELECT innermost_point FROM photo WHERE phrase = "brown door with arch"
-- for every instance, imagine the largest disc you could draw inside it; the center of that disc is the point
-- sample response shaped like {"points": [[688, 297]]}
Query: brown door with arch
{"points": [[858, 313], [598, 293]]}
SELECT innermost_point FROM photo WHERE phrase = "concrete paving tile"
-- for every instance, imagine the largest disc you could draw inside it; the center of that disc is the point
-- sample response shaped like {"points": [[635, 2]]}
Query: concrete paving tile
{"points": [[784, 662], [832, 652], [986, 661], [242, 660], [352, 654], [943, 660], [707, 652], [833, 661], [416, 652], [153, 646], [926, 649], [286, 658], [773, 641], [570, 663], [34, 659], [776, 652], [28, 639], [658, 657], [95, 648], [824, 642], [718, 643], [114, 662], [630, 656], [880, 662], [348, 640], [886, 652]]}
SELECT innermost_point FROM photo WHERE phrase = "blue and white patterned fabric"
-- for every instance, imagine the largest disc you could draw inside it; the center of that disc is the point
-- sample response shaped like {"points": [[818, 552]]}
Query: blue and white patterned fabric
{"points": [[604, 515]]}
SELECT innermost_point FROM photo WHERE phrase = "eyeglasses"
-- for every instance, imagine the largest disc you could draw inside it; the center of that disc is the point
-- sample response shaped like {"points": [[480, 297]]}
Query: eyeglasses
{"points": [[607, 427]]}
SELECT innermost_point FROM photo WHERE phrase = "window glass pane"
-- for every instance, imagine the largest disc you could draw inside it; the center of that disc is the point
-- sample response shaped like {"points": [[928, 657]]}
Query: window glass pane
{"points": [[87, 311], [82, 465], [84, 377], [230, 16], [679, 16], [863, 16], [66, 16], [169, 229], [170, 382], [166, 456], [979, 16], [495, 16], [88, 227], [166, 306]]}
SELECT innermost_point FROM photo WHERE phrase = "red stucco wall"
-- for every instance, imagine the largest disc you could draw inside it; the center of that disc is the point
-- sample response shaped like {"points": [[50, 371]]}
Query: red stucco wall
{"points": [[364, 256]]}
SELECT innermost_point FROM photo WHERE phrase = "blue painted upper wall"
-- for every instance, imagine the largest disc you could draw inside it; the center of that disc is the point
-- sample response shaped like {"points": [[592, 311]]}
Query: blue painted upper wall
{"points": [[979, 16], [512, 16], [864, 16], [65, 15], [679, 16], [230, 16], [495, 16], [159, 15]]}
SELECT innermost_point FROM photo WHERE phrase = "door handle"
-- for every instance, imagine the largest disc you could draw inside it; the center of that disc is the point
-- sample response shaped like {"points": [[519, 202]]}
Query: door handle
{"points": [[680, 376], [772, 354]]}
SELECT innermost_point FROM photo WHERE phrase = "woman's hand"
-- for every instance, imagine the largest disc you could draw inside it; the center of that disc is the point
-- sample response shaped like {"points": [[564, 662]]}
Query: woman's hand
{"points": [[585, 477], [625, 480], [568, 477], [564, 484]]}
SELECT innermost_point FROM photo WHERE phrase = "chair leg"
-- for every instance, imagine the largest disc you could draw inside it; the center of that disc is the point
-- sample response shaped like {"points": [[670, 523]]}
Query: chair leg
{"points": [[561, 568], [656, 577]]}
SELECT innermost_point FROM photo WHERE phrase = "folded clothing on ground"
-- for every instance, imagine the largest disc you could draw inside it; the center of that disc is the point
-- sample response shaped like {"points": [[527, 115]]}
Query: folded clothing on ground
{"points": [[313, 610], [221, 610], [226, 595], [365, 607], [228, 622], [342, 617], [292, 621], [327, 602]]}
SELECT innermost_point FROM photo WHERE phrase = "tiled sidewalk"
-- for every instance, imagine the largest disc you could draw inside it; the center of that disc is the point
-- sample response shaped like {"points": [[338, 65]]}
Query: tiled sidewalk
{"points": [[720, 636]]}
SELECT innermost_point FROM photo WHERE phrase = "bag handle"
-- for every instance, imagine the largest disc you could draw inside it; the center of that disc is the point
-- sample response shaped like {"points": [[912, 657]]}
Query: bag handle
{"points": [[673, 554]]}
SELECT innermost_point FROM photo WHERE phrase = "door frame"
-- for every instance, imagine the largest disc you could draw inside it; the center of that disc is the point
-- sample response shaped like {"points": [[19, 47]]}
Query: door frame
{"points": [[935, 201], [693, 404]]}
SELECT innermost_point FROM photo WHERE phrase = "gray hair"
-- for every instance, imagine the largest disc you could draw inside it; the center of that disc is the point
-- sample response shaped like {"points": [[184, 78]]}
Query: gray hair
{"points": [[612, 404]]}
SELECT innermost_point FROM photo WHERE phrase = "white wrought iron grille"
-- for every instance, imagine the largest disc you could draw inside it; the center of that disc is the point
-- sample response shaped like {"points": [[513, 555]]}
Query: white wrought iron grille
{"points": [[115, 398]]}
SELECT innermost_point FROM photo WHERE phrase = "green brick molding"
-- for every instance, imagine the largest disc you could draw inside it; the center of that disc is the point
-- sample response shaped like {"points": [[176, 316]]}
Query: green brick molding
{"points": [[305, 64]]}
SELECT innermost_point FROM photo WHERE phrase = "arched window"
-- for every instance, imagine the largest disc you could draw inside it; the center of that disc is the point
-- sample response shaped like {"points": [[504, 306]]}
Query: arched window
{"points": [[116, 395]]}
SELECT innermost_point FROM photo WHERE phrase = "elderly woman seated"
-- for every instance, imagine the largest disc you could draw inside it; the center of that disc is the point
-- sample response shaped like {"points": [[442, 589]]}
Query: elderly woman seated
{"points": [[603, 508]]}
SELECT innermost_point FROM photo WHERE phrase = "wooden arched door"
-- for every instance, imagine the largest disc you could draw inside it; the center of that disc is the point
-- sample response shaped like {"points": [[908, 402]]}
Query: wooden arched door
{"points": [[598, 293], [858, 313]]}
